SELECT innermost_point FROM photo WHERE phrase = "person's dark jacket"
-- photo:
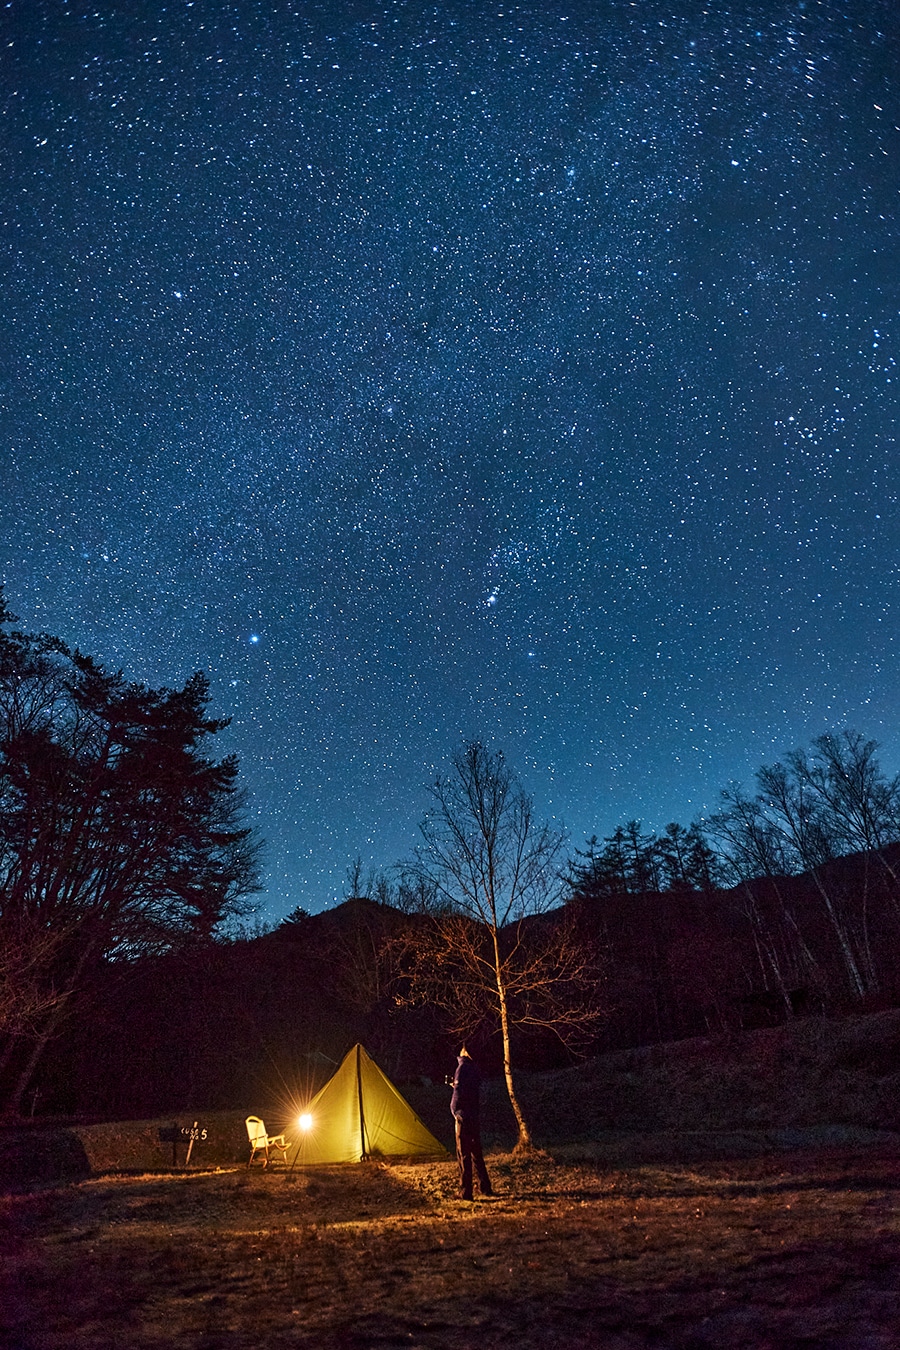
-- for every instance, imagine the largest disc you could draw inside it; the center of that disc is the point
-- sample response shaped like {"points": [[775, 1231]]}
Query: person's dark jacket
{"points": [[466, 1090]]}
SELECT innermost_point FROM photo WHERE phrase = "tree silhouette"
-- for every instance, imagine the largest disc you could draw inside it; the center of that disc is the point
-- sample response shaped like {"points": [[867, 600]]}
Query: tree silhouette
{"points": [[117, 836]]}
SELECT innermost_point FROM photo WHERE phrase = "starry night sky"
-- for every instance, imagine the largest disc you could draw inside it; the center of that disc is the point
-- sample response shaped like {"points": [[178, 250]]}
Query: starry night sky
{"points": [[430, 371]]}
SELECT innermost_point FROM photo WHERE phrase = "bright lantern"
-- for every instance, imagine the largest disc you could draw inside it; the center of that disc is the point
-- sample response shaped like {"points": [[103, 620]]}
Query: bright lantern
{"points": [[305, 1121]]}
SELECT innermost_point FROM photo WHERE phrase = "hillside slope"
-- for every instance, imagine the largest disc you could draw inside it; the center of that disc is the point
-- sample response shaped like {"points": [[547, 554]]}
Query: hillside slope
{"points": [[815, 1081], [812, 1074]]}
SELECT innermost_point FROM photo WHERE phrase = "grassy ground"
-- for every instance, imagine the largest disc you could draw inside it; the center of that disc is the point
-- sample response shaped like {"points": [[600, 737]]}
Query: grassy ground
{"points": [[775, 1251], [671, 1214]]}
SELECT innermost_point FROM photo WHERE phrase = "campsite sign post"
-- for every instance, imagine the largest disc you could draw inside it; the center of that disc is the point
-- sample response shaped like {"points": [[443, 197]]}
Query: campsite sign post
{"points": [[194, 1134], [176, 1134]]}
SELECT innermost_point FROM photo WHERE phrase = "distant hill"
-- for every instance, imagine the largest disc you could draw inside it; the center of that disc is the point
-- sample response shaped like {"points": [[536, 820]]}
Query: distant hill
{"points": [[264, 1019]]}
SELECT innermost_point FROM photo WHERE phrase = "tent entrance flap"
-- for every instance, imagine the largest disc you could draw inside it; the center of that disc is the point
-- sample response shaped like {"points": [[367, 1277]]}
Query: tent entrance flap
{"points": [[360, 1114]]}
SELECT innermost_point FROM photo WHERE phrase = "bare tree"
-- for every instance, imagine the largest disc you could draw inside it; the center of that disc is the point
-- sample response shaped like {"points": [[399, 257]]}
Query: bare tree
{"points": [[808, 811], [491, 950], [792, 802], [752, 850], [862, 804], [27, 952]]}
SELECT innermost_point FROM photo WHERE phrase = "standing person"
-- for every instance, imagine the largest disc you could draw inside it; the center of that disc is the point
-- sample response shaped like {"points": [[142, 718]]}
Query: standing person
{"points": [[465, 1107]]}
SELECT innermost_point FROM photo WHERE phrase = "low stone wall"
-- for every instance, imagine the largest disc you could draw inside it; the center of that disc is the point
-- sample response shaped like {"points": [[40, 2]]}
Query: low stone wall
{"points": [[55, 1153]]}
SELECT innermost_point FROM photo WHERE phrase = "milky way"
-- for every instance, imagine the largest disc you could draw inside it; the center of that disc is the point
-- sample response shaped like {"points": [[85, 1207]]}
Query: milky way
{"points": [[425, 372]]}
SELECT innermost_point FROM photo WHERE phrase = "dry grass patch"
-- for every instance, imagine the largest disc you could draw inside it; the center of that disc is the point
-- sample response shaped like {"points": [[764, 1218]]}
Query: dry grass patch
{"points": [[769, 1251]]}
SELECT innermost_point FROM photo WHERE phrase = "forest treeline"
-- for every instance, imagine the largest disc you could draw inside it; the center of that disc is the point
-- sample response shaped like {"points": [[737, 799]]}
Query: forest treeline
{"points": [[127, 989], [693, 935], [253, 1020]]}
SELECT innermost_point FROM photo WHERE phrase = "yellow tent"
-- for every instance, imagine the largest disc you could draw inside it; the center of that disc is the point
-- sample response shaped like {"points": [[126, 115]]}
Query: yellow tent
{"points": [[360, 1114]]}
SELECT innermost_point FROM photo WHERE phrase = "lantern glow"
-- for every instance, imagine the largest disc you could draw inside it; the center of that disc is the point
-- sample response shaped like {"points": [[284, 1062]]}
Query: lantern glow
{"points": [[305, 1121]]}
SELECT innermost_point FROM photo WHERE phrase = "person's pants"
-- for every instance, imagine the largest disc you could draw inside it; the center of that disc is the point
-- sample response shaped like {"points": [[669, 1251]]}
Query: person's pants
{"points": [[468, 1153]]}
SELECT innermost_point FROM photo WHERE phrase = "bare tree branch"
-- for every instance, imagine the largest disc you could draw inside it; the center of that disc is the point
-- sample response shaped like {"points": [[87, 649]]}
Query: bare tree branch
{"points": [[487, 947]]}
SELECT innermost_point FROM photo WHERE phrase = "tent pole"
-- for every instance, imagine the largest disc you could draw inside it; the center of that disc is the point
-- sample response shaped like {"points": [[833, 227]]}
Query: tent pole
{"points": [[362, 1116]]}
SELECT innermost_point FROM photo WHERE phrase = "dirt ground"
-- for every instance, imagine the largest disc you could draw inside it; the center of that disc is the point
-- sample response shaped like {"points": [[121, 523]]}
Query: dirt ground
{"points": [[779, 1251]]}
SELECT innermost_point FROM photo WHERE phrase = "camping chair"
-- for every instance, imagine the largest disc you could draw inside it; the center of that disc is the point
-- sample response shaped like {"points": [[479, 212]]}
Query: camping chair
{"points": [[260, 1142]]}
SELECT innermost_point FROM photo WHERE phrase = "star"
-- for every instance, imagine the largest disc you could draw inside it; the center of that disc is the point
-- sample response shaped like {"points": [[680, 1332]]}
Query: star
{"points": [[480, 326]]}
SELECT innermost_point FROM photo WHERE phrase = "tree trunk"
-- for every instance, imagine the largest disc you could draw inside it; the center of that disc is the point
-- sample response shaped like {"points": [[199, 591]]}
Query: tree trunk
{"points": [[843, 938], [766, 946], [43, 1038], [13, 1107], [524, 1142], [9, 1049]]}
